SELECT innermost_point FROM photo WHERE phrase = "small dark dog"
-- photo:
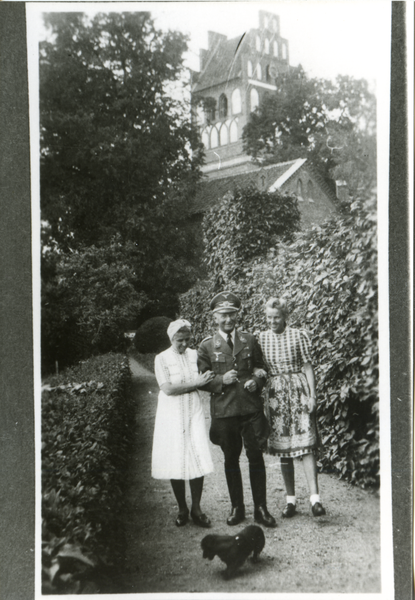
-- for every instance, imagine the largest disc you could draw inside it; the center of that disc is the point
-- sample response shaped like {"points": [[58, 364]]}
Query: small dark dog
{"points": [[233, 550]]}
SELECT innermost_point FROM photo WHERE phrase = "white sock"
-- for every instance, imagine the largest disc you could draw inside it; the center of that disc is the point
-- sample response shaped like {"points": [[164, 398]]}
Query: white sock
{"points": [[314, 498], [291, 500]]}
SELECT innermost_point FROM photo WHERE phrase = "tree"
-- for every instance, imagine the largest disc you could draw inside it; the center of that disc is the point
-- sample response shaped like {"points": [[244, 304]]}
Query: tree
{"points": [[119, 155], [113, 141], [331, 123]]}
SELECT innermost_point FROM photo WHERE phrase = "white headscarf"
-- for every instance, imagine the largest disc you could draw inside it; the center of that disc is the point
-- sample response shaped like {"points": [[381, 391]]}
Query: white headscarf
{"points": [[175, 326]]}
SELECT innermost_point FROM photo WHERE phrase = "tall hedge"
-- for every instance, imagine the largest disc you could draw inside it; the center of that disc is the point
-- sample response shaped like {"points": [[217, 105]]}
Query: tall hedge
{"points": [[329, 276], [243, 226]]}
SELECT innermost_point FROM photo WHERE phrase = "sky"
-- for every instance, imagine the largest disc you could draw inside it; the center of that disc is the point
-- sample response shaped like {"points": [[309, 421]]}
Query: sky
{"points": [[326, 37]]}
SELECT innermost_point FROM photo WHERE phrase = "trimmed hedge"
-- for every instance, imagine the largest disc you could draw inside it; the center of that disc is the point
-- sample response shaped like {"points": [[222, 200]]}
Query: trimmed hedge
{"points": [[87, 417], [329, 277]]}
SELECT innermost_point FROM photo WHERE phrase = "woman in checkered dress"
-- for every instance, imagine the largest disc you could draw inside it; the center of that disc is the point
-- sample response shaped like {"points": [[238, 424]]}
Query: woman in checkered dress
{"points": [[290, 402]]}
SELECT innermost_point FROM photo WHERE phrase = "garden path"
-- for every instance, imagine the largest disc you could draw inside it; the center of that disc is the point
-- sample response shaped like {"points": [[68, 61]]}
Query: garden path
{"points": [[339, 552]]}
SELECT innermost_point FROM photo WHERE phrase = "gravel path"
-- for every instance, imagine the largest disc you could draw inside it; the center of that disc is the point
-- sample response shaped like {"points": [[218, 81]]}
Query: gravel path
{"points": [[339, 552]]}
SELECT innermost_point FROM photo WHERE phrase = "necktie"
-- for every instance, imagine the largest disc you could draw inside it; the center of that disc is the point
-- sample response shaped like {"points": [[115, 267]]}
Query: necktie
{"points": [[229, 341]]}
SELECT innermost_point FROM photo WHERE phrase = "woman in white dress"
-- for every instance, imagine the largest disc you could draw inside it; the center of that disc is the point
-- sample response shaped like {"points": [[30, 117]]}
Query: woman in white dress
{"points": [[180, 445], [290, 402]]}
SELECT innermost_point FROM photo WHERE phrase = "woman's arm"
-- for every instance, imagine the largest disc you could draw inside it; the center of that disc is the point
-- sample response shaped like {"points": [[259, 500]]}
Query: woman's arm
{"points": [[175, 389], [309, 373]]}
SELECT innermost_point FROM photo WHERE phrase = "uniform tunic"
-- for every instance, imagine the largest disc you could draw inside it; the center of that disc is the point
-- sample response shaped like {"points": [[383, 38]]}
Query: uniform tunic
{"points": [[214, 354], [294, 430], [180, 443]]}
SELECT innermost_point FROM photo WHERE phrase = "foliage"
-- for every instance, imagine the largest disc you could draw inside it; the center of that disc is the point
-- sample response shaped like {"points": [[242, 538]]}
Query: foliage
{"points": [[329, 277], [88, 301], [86, 431], [152, 336], [113, 138], [245, 225], [119, 155], [331, 123]]}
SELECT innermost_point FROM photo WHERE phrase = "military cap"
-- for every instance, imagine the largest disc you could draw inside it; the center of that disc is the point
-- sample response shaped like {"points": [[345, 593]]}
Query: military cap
{"points": [[225, 302]]}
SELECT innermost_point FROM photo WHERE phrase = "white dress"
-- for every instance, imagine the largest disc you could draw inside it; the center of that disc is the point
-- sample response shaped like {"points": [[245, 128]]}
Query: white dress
{"points": [[180, 443]]}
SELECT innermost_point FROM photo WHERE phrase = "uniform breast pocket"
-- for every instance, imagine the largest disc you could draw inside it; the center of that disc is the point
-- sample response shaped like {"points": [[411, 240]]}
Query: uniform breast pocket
{"points": [[219, 364]]}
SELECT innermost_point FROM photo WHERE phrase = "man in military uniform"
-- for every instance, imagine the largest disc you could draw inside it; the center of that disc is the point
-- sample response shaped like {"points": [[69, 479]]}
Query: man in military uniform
{"points": [[236, 406]]}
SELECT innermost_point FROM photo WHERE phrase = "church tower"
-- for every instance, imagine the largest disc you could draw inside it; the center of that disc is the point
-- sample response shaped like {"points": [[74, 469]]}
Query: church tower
{"points": [[234, 75]]}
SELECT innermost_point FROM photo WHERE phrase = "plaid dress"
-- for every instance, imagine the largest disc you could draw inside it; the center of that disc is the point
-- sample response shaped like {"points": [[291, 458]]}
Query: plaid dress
{"points": [[293, 429]]}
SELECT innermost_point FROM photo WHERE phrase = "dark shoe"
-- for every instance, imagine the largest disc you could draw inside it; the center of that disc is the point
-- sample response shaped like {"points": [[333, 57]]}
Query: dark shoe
{"points": [[318, 509], [261, 515], [289, 511], [237, 515], [182, 519], [200, 520]]}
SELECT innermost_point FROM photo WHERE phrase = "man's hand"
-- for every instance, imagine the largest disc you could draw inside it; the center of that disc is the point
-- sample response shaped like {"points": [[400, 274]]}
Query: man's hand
{"points": [[230, 377], [250, 385]]}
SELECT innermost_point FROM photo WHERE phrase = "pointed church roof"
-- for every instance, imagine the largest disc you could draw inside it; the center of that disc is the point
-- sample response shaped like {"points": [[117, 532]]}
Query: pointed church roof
{"points": [[222, 64]]}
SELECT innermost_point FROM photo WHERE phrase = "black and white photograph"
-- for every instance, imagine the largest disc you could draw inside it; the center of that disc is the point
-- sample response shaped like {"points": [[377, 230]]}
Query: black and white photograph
{"points": [[209, 240]]}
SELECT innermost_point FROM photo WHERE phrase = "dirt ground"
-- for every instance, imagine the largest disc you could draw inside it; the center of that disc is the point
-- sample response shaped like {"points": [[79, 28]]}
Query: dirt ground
{"points": [[339, 552]]}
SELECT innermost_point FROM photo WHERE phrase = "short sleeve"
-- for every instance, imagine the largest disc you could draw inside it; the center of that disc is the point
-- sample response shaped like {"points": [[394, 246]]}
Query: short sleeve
{"points": [[161, 370], [305, 346]]}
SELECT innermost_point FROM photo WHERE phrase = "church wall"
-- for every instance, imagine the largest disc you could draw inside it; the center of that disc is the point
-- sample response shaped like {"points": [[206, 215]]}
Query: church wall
{"points": [[317, 211]]}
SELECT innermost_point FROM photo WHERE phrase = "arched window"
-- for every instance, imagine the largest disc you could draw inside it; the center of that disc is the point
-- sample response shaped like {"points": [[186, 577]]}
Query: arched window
{"points": [[254, 99], [223, 107], [266, 22], [259, 71], [249, 68], [233, 132], [300, 189], [275, 48], [205, 138], [223, 135], [274, 25], [266, 46], [258, 43], [236, 102], [214, 141], [284, 51], [267, 75], [310, 191]]}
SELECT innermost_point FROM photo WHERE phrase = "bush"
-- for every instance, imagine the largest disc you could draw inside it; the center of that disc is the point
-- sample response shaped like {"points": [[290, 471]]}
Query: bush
{"points": [[152, 335], [245, 225], [329, 277], [87, 417], [88, 301]]}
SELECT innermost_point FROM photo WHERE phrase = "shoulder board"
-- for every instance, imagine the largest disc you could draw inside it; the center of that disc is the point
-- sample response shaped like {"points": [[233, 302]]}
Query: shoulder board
{"points": [[209, 337]]}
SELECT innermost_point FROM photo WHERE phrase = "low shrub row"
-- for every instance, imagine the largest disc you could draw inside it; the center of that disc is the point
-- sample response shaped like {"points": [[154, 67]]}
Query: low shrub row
{"points": [[87, 416], [328, 275]]}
